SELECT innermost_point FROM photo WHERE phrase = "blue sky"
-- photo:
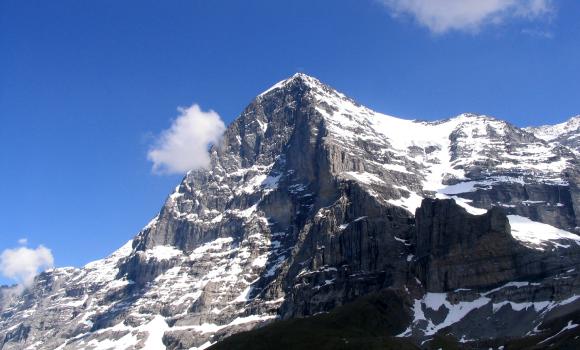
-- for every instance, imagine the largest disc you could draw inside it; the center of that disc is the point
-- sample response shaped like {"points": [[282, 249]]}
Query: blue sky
{"points": [[86, 87]]}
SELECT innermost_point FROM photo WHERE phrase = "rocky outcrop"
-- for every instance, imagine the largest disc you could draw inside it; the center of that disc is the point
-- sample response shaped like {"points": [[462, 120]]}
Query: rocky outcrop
{"points": [[456, 249]]}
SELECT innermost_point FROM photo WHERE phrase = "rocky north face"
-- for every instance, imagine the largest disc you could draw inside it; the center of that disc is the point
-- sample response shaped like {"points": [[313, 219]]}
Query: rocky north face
{"points": [[313, 201]]}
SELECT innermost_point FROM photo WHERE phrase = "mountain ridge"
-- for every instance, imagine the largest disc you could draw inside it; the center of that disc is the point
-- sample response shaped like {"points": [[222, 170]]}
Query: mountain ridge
{"points": [[309, 203]]}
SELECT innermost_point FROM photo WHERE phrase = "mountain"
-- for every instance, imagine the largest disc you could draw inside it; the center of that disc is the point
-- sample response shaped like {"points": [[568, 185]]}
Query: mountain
{"points": [[469, 226], [565, 133]]}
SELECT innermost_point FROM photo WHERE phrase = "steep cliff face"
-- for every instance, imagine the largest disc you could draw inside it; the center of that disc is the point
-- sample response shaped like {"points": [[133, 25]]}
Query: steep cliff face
{"points": [[309, 203], [458, 250]]}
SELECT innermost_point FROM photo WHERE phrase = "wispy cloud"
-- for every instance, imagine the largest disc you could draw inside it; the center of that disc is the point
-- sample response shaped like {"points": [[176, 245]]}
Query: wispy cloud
{"points": [[22, 264], [184, 146], [538, 33], [441, 16]]}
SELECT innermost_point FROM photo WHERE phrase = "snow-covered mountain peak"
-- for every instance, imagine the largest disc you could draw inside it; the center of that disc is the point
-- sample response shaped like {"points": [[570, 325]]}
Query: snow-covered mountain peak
{"points": [[564, 134], [297, 78], [553, 132]]}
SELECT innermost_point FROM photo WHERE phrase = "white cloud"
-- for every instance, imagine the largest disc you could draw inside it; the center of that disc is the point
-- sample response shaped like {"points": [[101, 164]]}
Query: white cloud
{"points": [[441, 16], [184, 146], [23, 263], [23, 241]]}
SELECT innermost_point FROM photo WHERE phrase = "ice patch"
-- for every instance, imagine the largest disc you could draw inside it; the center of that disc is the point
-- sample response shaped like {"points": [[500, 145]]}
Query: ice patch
{"points": [[539, 235]]}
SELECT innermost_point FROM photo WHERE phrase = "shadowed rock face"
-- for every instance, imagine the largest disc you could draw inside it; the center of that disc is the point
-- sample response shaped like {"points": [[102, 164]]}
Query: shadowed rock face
{"points": [[456, 249], [308, 204]]}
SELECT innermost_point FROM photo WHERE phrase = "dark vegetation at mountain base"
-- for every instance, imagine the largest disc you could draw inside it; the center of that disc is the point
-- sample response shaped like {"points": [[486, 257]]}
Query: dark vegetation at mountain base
{"points": [[371, 322]]}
